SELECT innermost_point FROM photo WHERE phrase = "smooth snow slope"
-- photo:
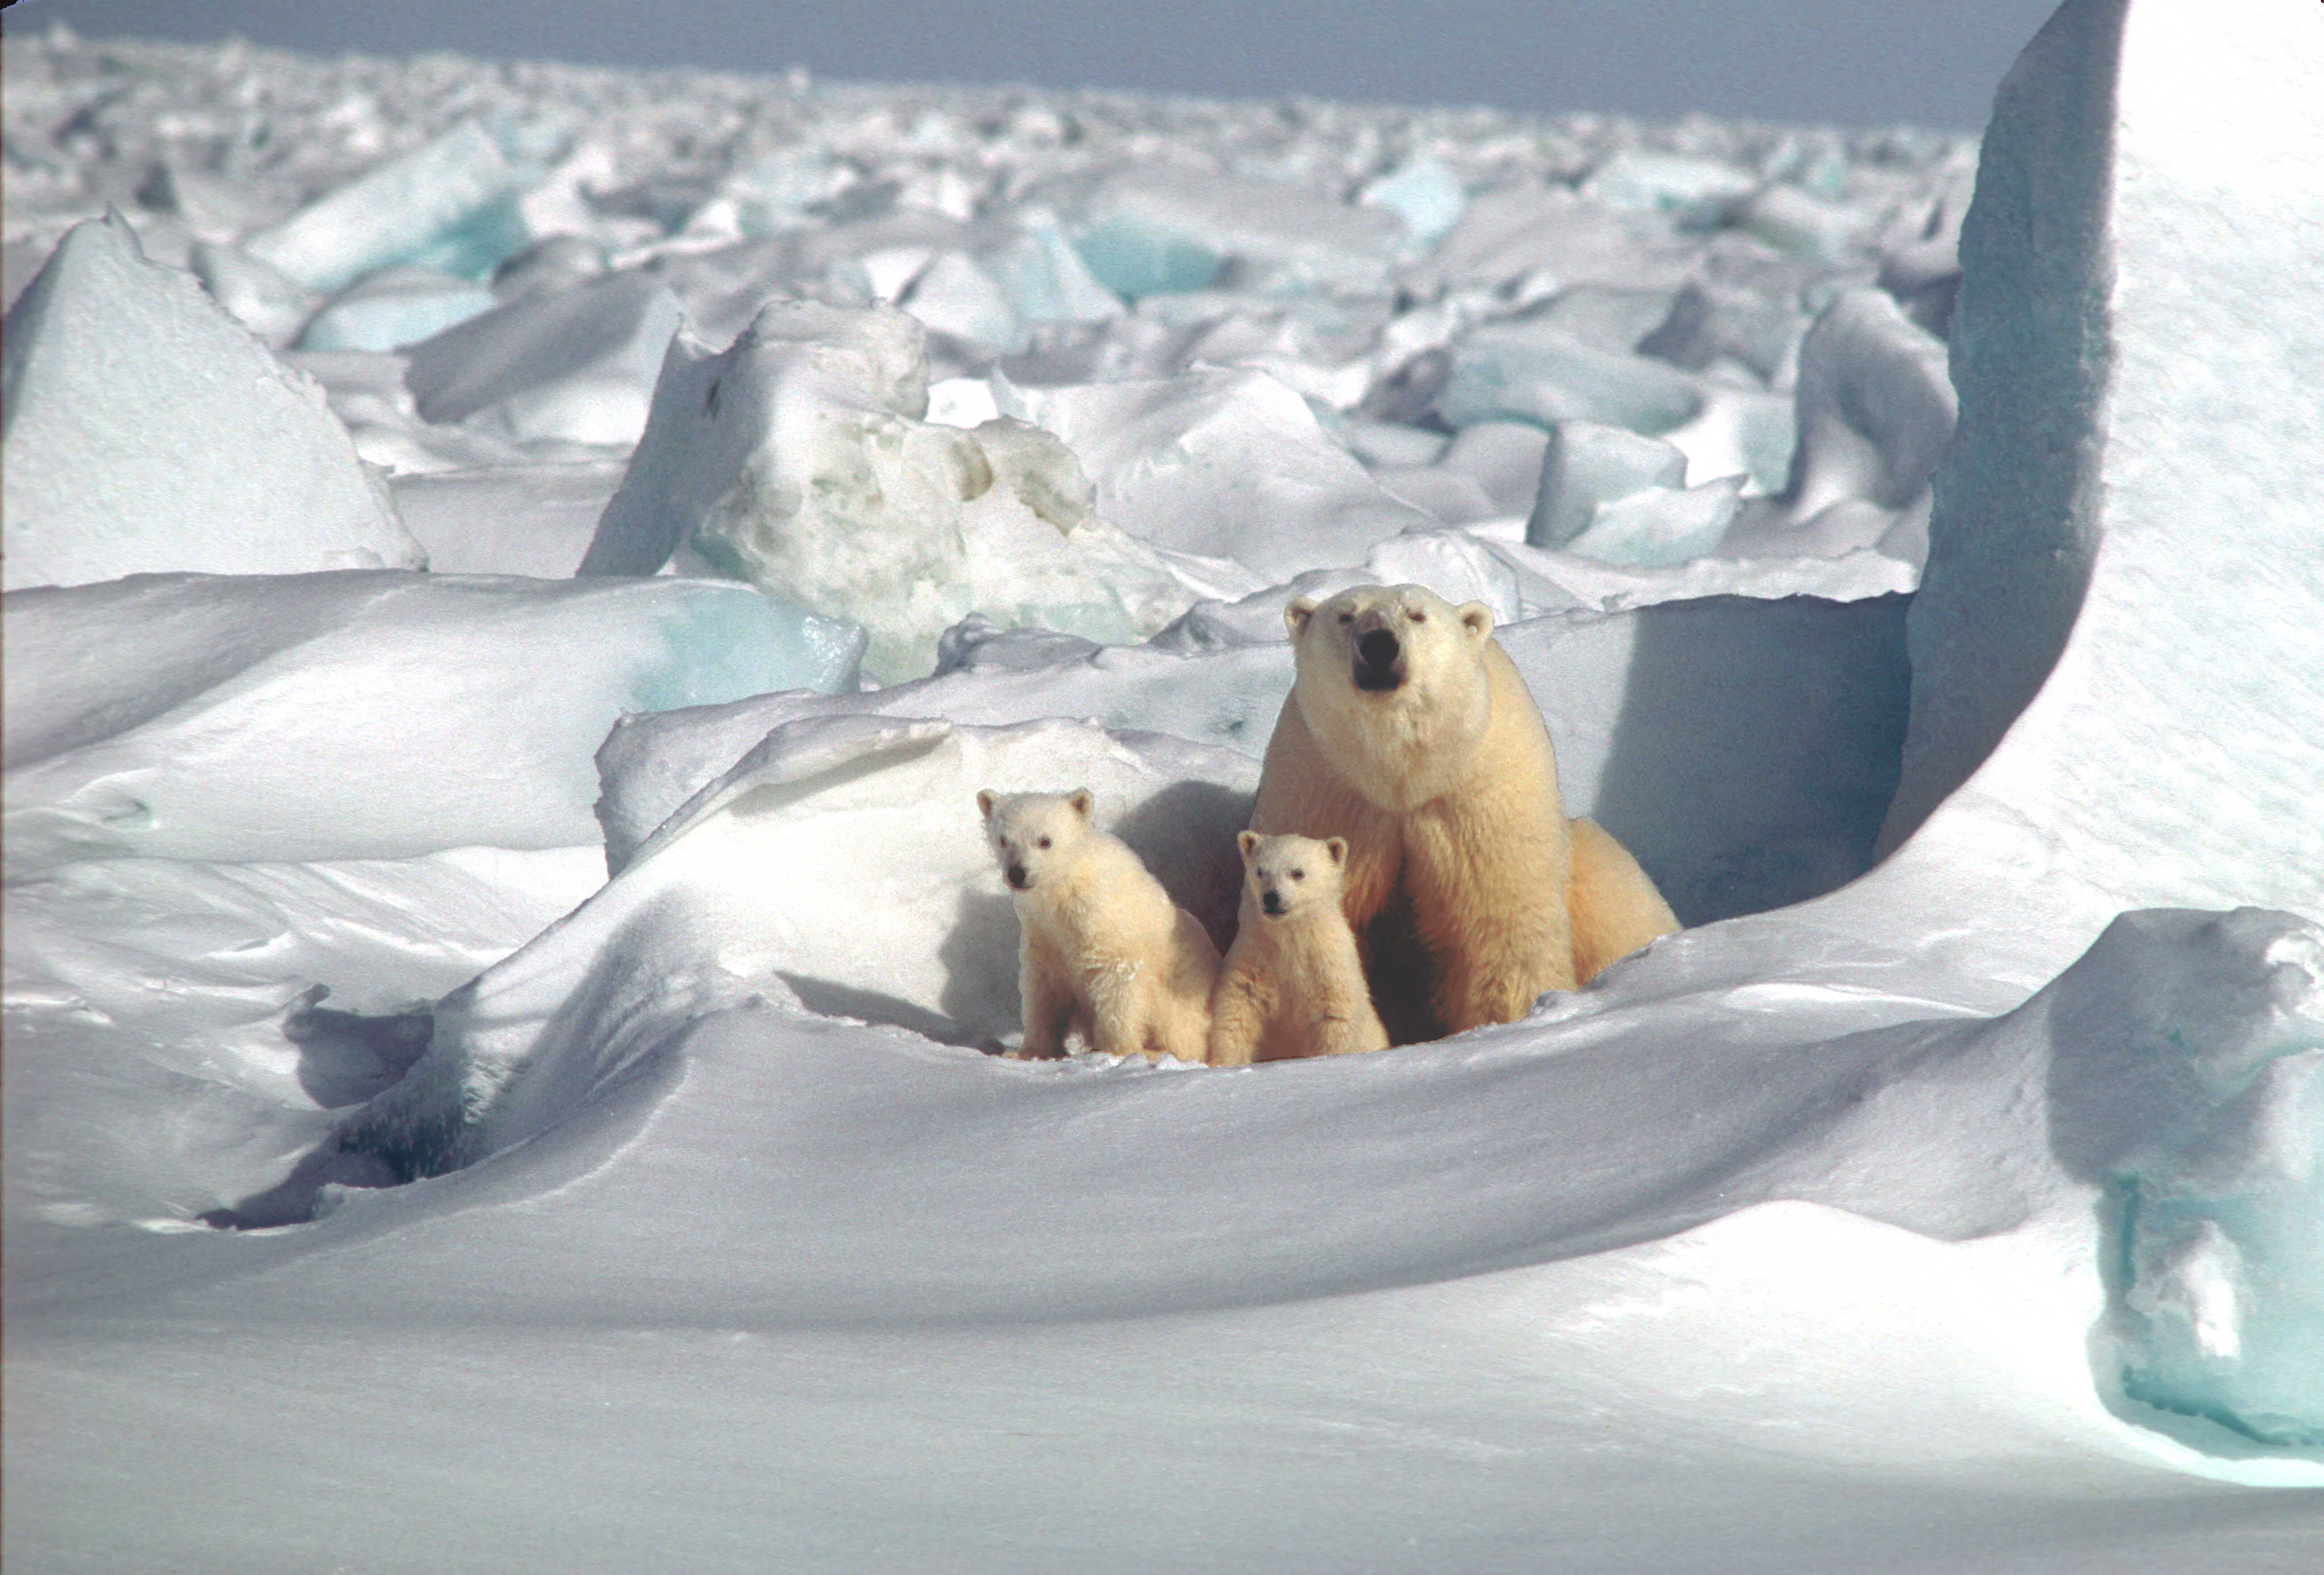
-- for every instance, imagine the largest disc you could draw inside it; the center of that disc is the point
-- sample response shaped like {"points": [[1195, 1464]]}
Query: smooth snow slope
{"points": [[1874, 1233]]}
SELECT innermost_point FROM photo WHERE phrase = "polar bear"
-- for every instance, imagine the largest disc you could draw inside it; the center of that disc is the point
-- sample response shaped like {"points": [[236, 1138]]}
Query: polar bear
{"points": [[1409, 732], [1293, 984], [1102, 947]]}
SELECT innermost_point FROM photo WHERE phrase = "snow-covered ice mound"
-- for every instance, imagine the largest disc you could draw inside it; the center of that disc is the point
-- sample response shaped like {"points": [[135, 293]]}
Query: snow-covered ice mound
{"points": [[146, 432], [358, 715]]}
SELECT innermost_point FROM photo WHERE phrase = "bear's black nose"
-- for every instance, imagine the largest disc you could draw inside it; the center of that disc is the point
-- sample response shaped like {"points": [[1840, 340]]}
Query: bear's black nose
{"points": [[1377, 648], [1273, 903], [1017, 878]]}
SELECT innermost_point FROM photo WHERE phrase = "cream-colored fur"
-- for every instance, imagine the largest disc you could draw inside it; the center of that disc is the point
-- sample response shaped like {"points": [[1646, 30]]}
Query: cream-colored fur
{"points": [[1103, 949], [1468, 887], [1293, 984]]}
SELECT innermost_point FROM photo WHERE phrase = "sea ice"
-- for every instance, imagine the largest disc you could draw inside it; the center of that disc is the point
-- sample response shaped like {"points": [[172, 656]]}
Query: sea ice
{"points": [[530, 519], [2203, 1111], [576, 364], [358, 715], [1586, 464], [450, 205], [1223, 464], [1661, 526], [1695, 191], [798, 460], [269, 303], [1423, 194], [1164, 229], [2116, 650], [1530, 371], [147, 431], [393, 308]]}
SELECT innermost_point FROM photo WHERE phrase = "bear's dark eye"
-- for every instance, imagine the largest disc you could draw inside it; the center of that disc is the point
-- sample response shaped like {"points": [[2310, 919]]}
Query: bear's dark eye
{"points": [[1299, 874], [1420, 617], [1043, 843], [1347, 618]]}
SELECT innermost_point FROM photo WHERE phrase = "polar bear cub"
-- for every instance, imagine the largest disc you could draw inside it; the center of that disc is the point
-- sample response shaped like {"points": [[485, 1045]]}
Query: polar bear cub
{"points": [[1103, 949], [1293, 984]]}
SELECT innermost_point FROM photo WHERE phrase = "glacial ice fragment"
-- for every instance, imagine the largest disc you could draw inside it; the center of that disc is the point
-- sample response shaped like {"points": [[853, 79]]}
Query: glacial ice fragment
{"points": [[1528, 371], [393, 308], [1661, 526], [147, 431], [1423, 194], [798, 459], [450, 205], [1587, 463], [576, 364]]}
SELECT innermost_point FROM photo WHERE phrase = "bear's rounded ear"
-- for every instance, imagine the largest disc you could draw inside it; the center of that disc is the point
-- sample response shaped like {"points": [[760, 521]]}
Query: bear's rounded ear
{"points": [[984, 796], [1337, 847], [1246, 840], [1476, 618], [1083, 802], [1296, 615]]}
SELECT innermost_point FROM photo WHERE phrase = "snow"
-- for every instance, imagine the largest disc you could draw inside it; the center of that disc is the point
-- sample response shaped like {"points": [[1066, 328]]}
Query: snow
{"points": [[193, 716], [214, 457], [1944, 1197]]}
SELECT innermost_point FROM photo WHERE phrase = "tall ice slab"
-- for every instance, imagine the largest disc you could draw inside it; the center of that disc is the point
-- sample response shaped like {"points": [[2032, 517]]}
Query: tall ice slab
{"points": [[2118, 650]]}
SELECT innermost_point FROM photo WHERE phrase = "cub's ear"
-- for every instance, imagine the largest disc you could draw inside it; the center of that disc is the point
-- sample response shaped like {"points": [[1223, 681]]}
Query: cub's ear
{"points": [[1082, 801], [1337, 848], [1246, 840], [1476, 618], [1296, 615], [984, 798]]}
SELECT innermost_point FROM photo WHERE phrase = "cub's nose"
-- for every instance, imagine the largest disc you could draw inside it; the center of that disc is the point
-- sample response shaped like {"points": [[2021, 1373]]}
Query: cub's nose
{"points": [[1377, 648], [1017, 878], [1273, 903]]}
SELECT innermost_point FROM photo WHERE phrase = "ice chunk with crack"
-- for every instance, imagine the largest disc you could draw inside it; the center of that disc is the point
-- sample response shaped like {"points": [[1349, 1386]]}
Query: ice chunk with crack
{"points": [[1661, 526], [1710, 321], [358, 715], [1530, 371], [2203, 1111], [576, 364], [798, 459], [147, 431], [450, 205], [1586, 463], [393, 308], [1423, 194], [1224, 463]]}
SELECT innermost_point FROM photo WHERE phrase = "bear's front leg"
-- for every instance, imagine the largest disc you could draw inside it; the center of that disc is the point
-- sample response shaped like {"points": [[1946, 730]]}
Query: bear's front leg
{"points": [[1119, 1010], [1048, 1003], [1491, 914], [1237, 1020]]}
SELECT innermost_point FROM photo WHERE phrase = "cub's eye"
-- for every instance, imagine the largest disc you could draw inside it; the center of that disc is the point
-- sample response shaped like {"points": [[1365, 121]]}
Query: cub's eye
{"points": [[1042, 843], [1347, 618], [1420, 617], [1299, 874]]}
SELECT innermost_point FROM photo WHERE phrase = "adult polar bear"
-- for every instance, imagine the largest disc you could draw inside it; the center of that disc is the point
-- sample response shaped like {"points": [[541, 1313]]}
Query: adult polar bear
{"points": [[1409, 732]]}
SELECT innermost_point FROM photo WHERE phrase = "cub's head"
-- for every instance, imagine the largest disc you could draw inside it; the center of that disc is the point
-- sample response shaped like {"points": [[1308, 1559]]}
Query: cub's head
{"points": [[1285, 875], [1029, 832], [1385, 641]]}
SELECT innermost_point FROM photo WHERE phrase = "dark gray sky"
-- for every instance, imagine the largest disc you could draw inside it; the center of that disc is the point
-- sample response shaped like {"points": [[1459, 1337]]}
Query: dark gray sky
{"points": [[1854, 62]]}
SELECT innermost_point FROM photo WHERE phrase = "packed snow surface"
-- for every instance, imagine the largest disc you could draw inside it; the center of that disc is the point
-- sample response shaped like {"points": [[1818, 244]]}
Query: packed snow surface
{"points": [[499, 1064]]}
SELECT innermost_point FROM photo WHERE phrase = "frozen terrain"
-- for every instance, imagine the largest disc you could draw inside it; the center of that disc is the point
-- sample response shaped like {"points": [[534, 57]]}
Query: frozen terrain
{"points": [[516, 575]]}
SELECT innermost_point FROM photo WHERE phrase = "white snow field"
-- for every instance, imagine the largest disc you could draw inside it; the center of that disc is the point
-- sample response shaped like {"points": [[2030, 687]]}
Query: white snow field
{"points": [[497, 1061]]}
